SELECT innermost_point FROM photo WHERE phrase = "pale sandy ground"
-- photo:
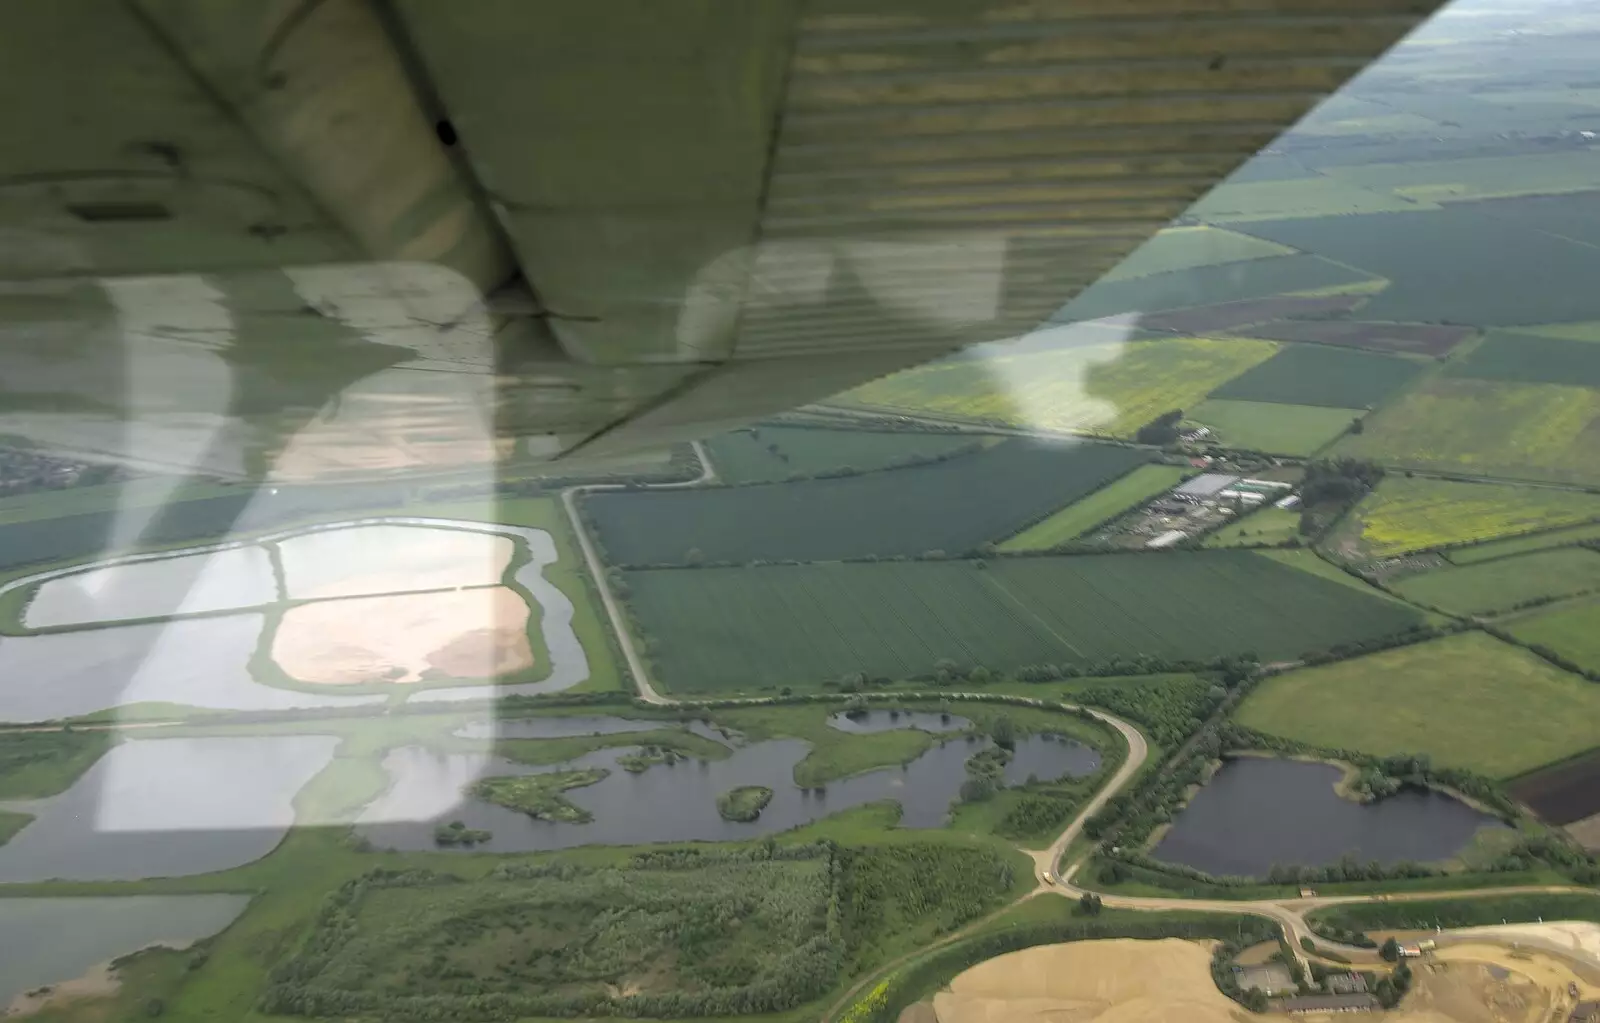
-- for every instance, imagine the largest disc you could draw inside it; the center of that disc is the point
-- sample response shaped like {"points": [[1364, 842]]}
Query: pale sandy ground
{"points": [[99, 982], [1116, 981], [1587, 832], [479, 633], [370, 560]]}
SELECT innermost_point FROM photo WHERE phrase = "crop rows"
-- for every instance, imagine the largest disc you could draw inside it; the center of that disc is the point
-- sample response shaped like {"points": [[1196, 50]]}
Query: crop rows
{"points": [[746, 628]]}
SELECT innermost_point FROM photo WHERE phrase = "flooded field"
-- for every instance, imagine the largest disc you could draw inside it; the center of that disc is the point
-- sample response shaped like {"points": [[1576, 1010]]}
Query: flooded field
{"points": [[889, 720], [405, 637], [205, 662], [155, 588], [1257, 811], [195, 662], [167, 808], [677, 803], [364, 560], [54, 942]]}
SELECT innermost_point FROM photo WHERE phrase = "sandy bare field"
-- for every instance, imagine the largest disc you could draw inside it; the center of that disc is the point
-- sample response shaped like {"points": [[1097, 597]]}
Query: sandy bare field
{"points": [[1117, 981], [1587, 832], [99, 982], [479, 633], [368, 560]]}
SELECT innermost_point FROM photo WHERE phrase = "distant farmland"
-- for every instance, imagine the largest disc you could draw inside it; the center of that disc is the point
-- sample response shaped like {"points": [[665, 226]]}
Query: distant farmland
{"points": [[952, 506], [1519, 431], [1207, 319], [1502, 584], [1529, 359], [1109, 387], [1417, 338], [769, 454], [1452, 265], [1322, 375], [1109, 501], [1275, 428], [723, 629], [1208, 285]]}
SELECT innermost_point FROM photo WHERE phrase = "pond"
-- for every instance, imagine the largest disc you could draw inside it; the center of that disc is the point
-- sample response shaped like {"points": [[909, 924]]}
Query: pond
{"points": [[143, 587], [194, 662], [889, 720], [166, 808], [1258, 811], [678, 803], [50, 941]]}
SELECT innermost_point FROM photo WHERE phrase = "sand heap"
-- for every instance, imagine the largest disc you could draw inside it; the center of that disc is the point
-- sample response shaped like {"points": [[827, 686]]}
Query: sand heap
{"points": [[1117, 981], [479, 633]]}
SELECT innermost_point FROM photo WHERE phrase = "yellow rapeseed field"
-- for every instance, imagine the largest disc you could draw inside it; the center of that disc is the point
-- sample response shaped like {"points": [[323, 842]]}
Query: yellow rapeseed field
{"points": [[1410, 514], [1109, 388]]}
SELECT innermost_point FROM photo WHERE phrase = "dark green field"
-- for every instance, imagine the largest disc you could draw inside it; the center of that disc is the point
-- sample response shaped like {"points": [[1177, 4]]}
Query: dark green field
{"points": [[772, 454], [1453, 265], [1533, 360], [1208, 285], [1321, 375], [951, 506], [723, 629]]}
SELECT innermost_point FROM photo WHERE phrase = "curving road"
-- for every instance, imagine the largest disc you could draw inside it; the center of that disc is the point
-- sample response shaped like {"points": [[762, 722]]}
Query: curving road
{"points": [[1288, 912]]}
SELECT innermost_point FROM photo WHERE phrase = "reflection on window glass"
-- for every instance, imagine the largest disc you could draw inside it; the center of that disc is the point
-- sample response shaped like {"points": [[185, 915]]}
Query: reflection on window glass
{"points": [[846, 511]]}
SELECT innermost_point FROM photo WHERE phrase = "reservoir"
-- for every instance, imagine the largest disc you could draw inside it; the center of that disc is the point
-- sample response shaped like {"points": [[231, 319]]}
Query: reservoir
{"points": [[1258, 811]]}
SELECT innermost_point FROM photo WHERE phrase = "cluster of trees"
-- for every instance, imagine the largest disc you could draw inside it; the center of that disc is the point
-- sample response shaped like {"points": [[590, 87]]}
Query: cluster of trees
{"points": [[1035, 814], [1330, 486], [1162, 430], [914, 891], [1412, 634], [1168, 713], [704, 922], [1446, 912]]}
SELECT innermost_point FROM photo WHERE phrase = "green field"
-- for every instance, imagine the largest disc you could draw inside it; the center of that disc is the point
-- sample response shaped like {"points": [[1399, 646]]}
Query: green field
{"points": [[952, 506], [1183, 248], [1342, 378], [1467, 701], [1572, 632], [1501, 585], [37, 764], [1274, 428], [769, 454], [1414, 514], [1111, 500], [1515, 431], [1265, 526], [1525, 358], [1110, 388], [1426, 914], [1452, 265], [1523, 544], [739, 629], [1478, 177], [1318, 196], [1209, 285]]}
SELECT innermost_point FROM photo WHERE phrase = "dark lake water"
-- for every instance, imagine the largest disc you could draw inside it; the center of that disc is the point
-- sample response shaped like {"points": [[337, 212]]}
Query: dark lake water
{"points": [[1257, 811], [888, 721], [48, 941], [167, 808], [678, 803]]}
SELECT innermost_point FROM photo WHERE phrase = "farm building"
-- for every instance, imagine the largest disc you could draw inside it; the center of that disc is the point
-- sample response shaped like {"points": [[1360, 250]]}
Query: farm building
{"points": [[1204, 487], [1242, 496], [1301, 1004], [1346, 983], [1166, 539], [1289, 503]]}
